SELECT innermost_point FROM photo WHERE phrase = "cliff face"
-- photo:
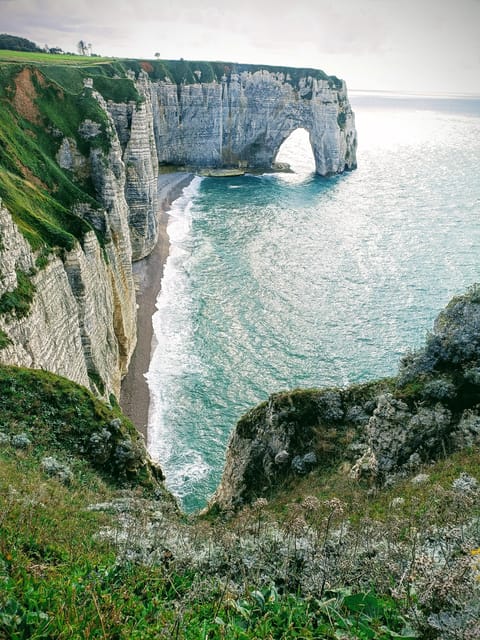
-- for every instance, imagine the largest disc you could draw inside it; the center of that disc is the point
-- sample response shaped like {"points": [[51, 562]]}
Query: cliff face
{"points": [[80, 192], [81, 320], [242, 120], [135, 127], [49, 336]]}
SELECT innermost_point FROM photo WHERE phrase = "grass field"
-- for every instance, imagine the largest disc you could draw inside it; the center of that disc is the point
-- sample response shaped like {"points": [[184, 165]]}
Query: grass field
{"points": [[49, 58], [82, 556]]}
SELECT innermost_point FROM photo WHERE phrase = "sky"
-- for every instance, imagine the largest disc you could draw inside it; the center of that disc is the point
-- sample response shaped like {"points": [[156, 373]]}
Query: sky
{"points": [[425, 46]]}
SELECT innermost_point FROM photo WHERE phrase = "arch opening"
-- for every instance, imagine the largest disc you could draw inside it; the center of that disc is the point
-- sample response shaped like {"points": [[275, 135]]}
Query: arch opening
{"points": [[296, 151]]}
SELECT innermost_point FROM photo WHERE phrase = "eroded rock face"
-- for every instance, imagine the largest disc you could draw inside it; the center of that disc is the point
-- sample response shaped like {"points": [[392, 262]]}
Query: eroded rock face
{"points": [[15, 253], [82, 320], [454, 342], [70, 328], [379, 434], [49, 336], [289, 435], [242, 120], [134, 124]]}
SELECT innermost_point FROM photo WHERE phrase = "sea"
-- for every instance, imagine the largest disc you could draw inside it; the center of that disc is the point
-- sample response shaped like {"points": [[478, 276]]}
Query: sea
{"points": [[288, 280]]}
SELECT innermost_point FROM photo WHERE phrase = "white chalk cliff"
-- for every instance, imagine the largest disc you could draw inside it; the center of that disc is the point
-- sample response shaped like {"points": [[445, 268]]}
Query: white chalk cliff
{"points": [[243, 119], [82, 319]]}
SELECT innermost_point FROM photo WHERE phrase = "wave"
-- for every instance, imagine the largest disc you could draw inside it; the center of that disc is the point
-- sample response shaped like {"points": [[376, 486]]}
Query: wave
{"points": [[172, 355]]}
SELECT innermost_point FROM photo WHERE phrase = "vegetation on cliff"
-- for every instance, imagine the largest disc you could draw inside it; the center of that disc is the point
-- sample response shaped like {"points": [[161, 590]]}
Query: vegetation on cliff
{"points": [[58, 417], [87, 553], [35, 116]]}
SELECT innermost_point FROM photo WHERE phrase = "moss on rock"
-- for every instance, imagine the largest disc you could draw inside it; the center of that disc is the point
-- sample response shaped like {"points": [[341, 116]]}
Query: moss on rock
{"points": [[61, 417]]}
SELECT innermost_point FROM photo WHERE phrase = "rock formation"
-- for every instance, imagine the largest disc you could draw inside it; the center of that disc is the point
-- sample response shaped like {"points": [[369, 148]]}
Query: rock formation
{"points": [[242, 120], [377, 431], [82, 319]]}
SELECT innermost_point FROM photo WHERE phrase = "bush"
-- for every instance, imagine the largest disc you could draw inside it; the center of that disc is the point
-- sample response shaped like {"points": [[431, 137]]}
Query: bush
{"points": [[20, 299]]}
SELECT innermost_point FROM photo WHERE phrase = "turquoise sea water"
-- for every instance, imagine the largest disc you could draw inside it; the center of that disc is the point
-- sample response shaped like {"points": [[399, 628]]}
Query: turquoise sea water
{"points": [[292, 280]]}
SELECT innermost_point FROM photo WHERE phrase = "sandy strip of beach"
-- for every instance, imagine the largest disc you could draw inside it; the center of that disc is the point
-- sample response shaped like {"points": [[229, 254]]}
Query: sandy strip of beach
{"points": [[148, 273]]}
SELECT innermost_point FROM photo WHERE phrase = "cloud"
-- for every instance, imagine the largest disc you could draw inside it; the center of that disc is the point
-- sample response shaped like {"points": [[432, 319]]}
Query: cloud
{"points": [[384, 40]]}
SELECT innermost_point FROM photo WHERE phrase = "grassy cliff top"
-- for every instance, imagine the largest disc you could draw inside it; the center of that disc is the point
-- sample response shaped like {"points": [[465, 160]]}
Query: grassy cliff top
{"points": [[35, 115], [82, 557], [178, 71]]}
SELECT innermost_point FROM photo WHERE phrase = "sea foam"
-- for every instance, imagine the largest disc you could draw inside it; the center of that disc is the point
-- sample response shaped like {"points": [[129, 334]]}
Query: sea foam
{"points": [[172, 349]]}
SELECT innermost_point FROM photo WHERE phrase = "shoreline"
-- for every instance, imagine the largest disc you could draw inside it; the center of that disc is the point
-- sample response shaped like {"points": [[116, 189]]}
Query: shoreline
{"points": [[147, 273]]}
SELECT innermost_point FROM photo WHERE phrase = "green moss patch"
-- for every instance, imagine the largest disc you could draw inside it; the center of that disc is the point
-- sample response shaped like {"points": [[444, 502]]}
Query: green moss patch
{"points": [[4, 340], [19, 300], [60, 416], [40, 217]]}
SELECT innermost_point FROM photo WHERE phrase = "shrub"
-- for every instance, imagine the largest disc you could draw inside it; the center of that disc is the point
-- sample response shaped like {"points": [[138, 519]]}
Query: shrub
{"points": [[20, 299]]}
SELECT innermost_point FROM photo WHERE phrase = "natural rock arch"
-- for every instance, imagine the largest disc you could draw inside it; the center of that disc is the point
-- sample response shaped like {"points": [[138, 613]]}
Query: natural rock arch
{"points": [[300, 137], [242, 120]]}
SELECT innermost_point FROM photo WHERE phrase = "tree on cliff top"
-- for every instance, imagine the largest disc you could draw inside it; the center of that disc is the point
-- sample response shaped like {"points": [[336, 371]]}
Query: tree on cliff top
{"points": [[15, 43], [84, 48]]}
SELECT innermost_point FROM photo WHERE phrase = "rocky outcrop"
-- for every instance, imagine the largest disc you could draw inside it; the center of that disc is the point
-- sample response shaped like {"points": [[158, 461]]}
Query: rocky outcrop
{"points": [[290, 435], [378, 432], [71, 424], [242, 119], [134, 124]]}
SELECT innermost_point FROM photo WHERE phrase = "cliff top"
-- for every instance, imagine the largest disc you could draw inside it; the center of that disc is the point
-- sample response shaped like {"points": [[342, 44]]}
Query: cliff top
{"points": [[177, 71]]}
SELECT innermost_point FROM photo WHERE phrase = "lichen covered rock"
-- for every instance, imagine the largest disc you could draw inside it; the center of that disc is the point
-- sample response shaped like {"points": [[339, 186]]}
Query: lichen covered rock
{"points": [[288, 436]]}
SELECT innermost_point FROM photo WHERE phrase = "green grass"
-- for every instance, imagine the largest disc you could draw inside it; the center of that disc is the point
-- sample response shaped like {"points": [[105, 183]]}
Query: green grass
{"points": [[362, 502], [19, 300], [36, 191], [60, 416], [62, 579], [26, 57], [178, 70], [42, 220], [116, 89], [341, 614]]}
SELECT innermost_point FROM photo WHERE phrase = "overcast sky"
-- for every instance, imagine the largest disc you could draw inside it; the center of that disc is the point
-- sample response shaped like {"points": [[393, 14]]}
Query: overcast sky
{"points": [[394, 45]]}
